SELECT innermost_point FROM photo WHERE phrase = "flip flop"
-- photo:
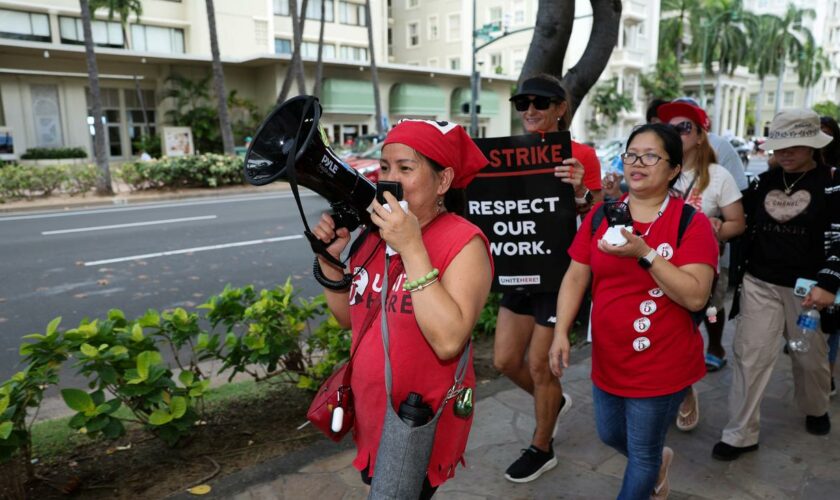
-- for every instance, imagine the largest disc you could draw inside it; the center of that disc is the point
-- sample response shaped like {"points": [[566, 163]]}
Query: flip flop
{"points": [[714, 363], [683, 422], [662, 489]]}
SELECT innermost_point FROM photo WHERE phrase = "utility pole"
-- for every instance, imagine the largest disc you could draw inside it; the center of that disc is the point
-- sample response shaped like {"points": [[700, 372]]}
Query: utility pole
{"points": [[475, 80]]}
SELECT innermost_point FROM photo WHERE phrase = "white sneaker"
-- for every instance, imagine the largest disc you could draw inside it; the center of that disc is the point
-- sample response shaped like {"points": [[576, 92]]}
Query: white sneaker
{"points": [[564, 409]]}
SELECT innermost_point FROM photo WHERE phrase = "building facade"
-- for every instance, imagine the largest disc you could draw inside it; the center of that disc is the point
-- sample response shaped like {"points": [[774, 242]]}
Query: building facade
{"points": [[43, 75]]}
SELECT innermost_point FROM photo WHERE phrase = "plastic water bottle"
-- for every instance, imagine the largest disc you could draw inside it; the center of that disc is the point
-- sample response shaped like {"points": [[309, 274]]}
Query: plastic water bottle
{"points": [[414, 411], [808, 323]]}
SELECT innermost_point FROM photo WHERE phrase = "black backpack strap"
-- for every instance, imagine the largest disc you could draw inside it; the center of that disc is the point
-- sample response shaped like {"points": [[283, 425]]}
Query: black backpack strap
{"points": [[685, 219], [598, 218]]}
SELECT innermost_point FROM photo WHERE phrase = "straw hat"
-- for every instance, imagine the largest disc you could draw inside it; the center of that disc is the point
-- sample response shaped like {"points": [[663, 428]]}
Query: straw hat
{"points": [[796, 127]]}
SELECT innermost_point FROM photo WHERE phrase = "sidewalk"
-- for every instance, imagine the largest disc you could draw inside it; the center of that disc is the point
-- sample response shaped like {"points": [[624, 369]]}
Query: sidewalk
{"points": [[790, 463]]}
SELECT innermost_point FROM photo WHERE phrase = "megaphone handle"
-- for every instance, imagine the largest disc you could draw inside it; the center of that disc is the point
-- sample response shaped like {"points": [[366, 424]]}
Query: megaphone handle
{"points": [[320, 248]]}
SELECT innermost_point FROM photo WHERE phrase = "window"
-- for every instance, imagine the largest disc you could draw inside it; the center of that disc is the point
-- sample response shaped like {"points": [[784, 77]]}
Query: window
{"points": [[260, 32], [282, 46], [455, 63], [518, 60], [789, 98], [494, 15], [412, 4], [453, 27], [111, 114], [357, 54], [310, 49], [351, 13], [771, 98], [157, 39], [433, 29], [46, 116], [313, 10], [105, 33], [281, 7], [433, 62], [413, 34], [518, 12], [24, 26], [140, 122], [496, 63]]}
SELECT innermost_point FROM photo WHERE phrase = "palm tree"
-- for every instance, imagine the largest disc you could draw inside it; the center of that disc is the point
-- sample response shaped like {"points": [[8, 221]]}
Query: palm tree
{"points": [[319, 65], [125, 8], [295, 69], [789, 43], [374, 74], [672, 26], [103, 183], [723, 26], [219, 82], [811, 64], [763, 57]]}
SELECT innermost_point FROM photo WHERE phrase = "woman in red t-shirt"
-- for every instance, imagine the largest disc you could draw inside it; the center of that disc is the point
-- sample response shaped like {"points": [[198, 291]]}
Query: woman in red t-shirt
{"points": [[438, 282], [646, 348]]}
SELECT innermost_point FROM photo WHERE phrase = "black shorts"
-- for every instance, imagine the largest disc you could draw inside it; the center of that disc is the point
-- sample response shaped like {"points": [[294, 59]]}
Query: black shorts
{"points": [[541, 305]]}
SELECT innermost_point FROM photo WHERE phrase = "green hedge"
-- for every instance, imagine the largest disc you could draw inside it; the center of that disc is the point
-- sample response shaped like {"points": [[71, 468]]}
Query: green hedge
{"points": [[53, 153], [207, 170], [27, 181]]}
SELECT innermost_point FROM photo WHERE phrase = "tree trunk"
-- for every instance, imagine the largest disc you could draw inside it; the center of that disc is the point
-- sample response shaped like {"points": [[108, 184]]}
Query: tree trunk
{"points": [[219, 82], [295, 68], [779, 87], [142, 104], [551, 40], [103, 183], [758, 130], [319, 66], [374, 74]]}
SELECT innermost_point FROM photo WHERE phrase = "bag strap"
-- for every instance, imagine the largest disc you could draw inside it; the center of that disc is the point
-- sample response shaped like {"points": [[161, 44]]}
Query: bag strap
{"points": [[685, 219], [688, 189], [460, 371]]}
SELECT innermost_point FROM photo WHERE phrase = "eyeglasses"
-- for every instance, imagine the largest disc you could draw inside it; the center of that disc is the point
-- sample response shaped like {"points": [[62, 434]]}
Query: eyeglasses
{"points": [[683, 128], [541, 103], [647, 159]]}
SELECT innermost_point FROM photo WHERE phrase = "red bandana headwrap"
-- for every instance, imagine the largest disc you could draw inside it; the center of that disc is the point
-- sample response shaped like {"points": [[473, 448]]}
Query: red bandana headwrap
{"points": [[445, 143]]}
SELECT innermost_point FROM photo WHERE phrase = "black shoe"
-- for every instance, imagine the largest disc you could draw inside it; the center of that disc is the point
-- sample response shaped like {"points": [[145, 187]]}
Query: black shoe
{"points": [[531, 464], [727, 452], [819, 426]]}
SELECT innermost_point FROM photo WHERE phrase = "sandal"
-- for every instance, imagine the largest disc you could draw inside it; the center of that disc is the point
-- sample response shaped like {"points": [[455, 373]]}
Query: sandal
{"points": [[714, 363], [664, 486], [684, 420]]}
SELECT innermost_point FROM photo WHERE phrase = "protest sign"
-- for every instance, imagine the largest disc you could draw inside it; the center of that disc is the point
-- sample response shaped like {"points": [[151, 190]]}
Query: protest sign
{"points": [[526, 212]]}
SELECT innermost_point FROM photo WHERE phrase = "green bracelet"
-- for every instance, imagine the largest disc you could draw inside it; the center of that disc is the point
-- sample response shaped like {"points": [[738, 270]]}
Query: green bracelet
{"points": [[422, 280]]}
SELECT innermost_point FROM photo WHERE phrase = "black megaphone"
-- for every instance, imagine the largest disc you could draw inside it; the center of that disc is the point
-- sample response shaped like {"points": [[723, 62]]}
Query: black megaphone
{"points": [[290, 146]]}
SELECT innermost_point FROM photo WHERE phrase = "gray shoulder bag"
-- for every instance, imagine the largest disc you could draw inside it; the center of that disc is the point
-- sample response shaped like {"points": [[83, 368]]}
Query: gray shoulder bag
{"points": [[404, 451]]}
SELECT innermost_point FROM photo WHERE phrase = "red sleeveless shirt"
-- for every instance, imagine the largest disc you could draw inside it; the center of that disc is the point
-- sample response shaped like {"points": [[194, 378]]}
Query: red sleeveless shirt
{"points": [[415, 366]]}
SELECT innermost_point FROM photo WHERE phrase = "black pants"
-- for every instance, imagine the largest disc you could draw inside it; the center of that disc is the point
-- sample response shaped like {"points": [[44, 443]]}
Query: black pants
{"points": [[425, 494]]}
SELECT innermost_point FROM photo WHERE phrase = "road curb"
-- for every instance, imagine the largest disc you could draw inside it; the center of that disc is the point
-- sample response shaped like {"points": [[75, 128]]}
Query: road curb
{"points": [[60, 203]]}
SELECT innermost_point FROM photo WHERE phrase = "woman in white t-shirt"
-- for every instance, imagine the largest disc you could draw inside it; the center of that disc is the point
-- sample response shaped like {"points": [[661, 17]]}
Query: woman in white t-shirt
{"points": [[708, 187]]}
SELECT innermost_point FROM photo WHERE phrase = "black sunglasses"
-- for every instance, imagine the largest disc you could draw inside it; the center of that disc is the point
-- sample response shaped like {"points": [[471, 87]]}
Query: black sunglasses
{"points": [[683, 128], [541, 103]]}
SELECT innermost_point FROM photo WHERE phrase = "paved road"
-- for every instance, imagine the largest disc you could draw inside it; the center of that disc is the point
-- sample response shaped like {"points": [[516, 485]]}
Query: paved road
{"points": [[84, 262]]}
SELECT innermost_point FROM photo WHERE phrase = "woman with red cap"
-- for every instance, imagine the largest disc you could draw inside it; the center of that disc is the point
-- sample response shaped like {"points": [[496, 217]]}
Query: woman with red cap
{"points": [[710, 188], [526, 320], [438, 281]]}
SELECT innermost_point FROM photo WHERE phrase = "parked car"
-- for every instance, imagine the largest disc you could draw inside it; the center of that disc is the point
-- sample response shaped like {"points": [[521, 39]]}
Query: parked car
{"points": [[361, 145], [367, 163]]}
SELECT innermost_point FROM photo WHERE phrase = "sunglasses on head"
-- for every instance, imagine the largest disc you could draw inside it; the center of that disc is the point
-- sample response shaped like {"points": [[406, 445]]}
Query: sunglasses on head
{"points": [[541, 103], [683, 128]]}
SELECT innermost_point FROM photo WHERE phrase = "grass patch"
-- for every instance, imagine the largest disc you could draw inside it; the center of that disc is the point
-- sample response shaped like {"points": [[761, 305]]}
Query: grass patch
{"points": [[54, 437]]}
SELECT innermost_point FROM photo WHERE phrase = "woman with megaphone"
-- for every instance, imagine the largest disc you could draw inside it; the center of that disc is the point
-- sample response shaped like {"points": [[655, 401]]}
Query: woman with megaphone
{"points": [[437, 280]]}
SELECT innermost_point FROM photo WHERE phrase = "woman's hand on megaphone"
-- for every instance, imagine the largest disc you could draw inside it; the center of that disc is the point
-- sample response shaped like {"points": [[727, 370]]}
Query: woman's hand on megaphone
{"points": [[398, 227], [326, 232]]}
